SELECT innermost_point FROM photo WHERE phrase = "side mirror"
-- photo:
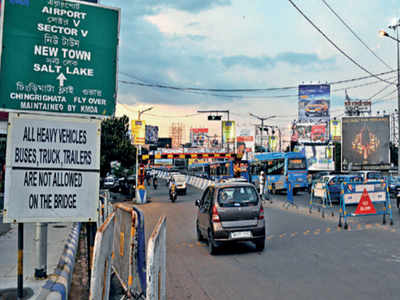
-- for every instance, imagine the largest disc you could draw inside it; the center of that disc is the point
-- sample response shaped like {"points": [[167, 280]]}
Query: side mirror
{"points": [[197, 203]]}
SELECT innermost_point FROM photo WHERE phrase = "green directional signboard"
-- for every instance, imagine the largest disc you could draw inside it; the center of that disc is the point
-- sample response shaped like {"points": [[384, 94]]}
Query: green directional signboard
{"points": [[59, 56]]}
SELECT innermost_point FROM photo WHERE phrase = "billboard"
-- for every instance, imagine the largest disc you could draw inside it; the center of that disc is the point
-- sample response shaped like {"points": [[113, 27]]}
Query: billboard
{"points": [[198, 136], [336, 130], [151, 135], [228, 131], [245, 146], [319, 157], [314, 102], [138, 132], [310, 133], [365, 143]]}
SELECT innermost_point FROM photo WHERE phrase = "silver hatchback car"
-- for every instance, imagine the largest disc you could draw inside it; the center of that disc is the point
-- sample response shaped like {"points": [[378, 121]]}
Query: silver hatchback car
{"points": [[228, 212]]}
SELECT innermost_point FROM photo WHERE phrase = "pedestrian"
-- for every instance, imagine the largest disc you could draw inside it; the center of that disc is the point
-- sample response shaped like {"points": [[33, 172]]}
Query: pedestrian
{"points": [[261, 181]]}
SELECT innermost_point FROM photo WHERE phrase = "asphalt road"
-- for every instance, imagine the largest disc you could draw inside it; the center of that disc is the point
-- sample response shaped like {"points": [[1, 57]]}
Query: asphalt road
{"points": [[306, 257]]}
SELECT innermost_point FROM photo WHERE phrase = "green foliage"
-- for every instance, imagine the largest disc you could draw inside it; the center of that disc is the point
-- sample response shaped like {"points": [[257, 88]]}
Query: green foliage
{"points": [[116, 144]]}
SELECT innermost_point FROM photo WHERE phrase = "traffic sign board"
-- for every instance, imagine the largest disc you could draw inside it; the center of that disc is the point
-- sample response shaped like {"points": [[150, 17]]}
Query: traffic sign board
{"points": [[52, 169], [365, 206], [59, 57]]}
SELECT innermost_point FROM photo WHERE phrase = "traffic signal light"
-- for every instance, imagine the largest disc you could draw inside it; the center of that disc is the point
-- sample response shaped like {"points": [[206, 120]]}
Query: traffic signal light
{"points": [[214, 118]]}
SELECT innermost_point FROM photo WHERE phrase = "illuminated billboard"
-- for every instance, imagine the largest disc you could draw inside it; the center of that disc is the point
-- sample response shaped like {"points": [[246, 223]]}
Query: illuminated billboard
{"points": [[314, 102], [365, 143]]}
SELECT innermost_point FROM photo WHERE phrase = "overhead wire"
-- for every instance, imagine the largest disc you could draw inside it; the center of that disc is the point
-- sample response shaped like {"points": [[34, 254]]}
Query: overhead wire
{"points": [[336, 46], [356, 35]]}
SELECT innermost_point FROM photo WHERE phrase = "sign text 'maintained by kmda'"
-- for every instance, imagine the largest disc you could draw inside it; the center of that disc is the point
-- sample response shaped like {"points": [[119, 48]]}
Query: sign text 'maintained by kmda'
{"points": [[59, 57], [52, 169]]}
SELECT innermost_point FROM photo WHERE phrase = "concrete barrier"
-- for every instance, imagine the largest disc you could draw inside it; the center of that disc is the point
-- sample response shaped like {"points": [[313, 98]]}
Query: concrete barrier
{"points": [[57, 287], [101, 265], [156, 262]]}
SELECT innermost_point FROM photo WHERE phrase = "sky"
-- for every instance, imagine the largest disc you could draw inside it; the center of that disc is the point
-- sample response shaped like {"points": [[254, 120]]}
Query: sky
{"points": [[257, 44]]}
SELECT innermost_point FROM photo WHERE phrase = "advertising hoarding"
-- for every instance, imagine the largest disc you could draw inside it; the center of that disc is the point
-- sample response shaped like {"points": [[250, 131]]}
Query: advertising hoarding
{"points": [[228, 131], [309, 133], [245, 146], [357, 106], [319, 157], [151, 135], [314, 102], [336, 130], [58, 57], [52, 169], [138, 130], [198, 137], [365, 143]]}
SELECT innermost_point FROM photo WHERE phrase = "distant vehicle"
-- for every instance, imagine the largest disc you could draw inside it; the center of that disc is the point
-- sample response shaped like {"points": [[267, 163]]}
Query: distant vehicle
{"points": [[334, 183], [316, 108], [281, 168], [219, 170], [370, 175], [230, 212], [111, 183], [394, 183], [180, 181]]}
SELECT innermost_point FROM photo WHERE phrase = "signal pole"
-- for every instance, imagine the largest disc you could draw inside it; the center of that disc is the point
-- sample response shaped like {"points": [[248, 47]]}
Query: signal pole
{"points": [[262, 124]]}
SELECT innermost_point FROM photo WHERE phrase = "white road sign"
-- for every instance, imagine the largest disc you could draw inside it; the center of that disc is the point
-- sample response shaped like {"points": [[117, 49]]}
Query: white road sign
{"points": [[52, 169]]}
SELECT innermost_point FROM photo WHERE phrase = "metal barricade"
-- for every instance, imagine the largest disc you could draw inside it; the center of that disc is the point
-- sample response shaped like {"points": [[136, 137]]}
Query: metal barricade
{"points": [[320, 198], [126, 250], [371, 198], [101, 264], [156, 262]]}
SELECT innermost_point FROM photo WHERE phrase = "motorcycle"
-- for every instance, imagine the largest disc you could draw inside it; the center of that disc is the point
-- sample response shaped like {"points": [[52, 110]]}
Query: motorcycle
{"points": [[155, 182], [172, 193]]}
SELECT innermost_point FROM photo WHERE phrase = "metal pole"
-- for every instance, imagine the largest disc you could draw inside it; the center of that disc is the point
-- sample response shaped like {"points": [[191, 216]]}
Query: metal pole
{"points": [[20, 274], [261, 134], [41, 250], [398, 100]]}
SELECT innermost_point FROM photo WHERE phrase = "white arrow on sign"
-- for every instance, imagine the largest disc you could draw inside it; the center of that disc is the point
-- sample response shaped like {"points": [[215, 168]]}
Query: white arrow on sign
{"points": [[61, 78]]}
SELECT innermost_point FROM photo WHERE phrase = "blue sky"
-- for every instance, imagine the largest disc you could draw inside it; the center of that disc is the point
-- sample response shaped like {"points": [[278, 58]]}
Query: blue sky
{"points": [[233, 44]]}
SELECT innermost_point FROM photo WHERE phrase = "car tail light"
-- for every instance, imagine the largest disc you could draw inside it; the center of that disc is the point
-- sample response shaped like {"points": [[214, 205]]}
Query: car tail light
{"points": [[215, 216], [261, 213]]}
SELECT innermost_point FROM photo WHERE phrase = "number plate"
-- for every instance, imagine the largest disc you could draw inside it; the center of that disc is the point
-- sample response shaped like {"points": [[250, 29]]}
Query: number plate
{"points": [[297, 185], [240, 234]]}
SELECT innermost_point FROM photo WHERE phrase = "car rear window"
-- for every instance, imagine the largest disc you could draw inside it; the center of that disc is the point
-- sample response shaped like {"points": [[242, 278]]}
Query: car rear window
{"points": [[237, 196], [374, 175]]}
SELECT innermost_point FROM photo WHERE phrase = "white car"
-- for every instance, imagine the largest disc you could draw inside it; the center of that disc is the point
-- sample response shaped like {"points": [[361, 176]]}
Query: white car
{"points": [[180, 182]]}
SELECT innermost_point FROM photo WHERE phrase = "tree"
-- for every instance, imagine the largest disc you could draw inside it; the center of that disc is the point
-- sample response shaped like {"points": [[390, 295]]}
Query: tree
{"points": [[116, 144]]}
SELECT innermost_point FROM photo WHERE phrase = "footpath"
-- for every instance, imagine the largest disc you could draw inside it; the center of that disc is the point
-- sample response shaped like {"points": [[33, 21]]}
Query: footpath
{"points": [[56, 238]]}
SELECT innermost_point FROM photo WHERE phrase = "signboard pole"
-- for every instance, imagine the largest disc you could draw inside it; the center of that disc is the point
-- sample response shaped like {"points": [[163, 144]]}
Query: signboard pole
{"points": [[20, 269], [41, 251]]}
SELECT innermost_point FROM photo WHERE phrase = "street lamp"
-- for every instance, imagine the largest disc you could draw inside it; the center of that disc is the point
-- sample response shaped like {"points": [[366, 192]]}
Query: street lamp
{"points": [[262, 124], [383, 33]]}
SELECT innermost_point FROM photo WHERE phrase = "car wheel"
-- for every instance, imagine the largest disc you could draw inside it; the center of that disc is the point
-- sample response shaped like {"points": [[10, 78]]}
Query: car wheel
{"points": [[260, 245], [211, 244], [198, 232]]}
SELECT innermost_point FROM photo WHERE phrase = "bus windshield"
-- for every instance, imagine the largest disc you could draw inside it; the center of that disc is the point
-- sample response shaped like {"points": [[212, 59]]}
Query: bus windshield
{"points": [[296, 164]]}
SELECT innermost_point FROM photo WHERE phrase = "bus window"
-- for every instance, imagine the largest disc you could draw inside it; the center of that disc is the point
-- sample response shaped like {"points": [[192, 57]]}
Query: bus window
{"points": [[275, 167], [296, 164]]}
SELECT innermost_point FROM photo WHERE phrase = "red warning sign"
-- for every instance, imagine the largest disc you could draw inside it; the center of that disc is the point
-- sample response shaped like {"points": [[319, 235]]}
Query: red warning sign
{"points": [[365, 205]]}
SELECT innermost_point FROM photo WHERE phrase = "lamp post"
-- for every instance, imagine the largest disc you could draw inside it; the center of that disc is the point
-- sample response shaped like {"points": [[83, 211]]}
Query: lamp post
{"points": [[139, 149], [395, 26], [262, 124]]}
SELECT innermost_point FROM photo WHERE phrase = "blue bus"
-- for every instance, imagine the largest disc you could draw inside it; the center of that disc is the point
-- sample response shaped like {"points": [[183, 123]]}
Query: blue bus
{"points": [[280, 168], [220, 170]]}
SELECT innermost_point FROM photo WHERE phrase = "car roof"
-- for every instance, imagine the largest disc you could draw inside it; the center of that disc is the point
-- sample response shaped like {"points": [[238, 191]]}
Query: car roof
{"points": [[232, 184]]}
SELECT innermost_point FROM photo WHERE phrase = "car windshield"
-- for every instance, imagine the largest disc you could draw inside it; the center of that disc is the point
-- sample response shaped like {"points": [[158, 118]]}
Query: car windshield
{"points": [[237, 196], [108, 180]]}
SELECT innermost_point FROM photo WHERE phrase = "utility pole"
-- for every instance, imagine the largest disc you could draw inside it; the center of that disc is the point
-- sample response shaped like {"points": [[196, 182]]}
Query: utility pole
{"points": [[262, 119], [217, 119]]}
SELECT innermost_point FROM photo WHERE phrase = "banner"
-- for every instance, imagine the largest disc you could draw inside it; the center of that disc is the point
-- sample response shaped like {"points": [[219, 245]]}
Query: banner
{"points": [[273, 143], [314, 102], [151, 134], [198, 137], [138, 132], [319, 157], [365, 143], [228, 131], [336, 130], [309, 133]]}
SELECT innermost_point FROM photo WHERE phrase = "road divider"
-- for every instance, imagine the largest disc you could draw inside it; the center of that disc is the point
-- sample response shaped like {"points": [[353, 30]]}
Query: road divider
{"points": [[320, 198]]}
